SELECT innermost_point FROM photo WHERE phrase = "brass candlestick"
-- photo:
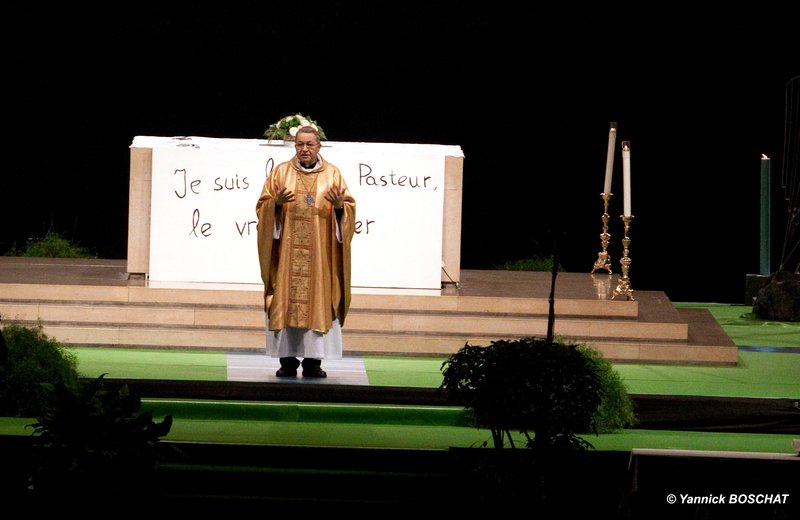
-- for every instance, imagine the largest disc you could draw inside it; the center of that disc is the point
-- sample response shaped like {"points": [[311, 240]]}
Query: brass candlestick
{"points": [[603, 259], [624, 285]]}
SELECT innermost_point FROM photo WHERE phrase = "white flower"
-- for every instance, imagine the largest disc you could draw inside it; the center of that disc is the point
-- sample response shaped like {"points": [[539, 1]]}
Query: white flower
{"points": [[290, 125]]}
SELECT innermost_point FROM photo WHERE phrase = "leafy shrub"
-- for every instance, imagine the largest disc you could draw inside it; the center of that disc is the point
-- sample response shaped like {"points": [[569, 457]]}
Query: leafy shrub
{"points": [[548, 391], [529, 264], [616, 410], [52, 246], [31, 359], [94, 442]]}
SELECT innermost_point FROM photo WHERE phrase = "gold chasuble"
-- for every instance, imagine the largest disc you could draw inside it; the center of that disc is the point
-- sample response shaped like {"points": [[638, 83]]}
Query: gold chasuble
{"points": [[304, 255]]}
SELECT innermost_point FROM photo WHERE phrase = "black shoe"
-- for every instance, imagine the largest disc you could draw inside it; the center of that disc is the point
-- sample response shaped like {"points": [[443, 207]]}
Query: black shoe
{"points": [[314, 372], [286, 372]]}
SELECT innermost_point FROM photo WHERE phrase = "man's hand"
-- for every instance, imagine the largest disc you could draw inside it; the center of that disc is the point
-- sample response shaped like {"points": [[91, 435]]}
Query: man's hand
{"points": [[283, 196], [336, 197]]}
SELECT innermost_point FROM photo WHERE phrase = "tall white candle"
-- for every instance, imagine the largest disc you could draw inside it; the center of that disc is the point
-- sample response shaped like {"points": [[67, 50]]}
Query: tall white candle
{"points": [[626, 177], [612, 143]]}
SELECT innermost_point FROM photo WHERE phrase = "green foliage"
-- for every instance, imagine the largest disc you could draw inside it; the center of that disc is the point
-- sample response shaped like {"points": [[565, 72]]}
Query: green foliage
{"points": [[94, 440], [32, 358], [529, 264], [52, 245], [531, 385], [550, 389], [616, 411], [91, 441]]}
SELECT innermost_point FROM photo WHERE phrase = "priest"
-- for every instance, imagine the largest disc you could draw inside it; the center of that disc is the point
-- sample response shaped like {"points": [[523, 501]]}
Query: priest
{"points": [[306, 221]]}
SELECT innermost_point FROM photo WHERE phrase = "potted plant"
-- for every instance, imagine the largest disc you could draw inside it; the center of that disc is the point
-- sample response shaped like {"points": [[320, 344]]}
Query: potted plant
{"points": [[286, 127]]}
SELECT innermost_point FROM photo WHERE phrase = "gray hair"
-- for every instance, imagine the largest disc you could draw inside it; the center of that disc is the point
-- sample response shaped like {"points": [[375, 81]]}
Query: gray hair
{"points": [[309, 130]]}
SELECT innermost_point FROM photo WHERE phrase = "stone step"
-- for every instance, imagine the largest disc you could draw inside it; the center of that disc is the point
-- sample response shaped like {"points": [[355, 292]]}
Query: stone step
{"points": [[95, 303], [250, 299], [232, 318], [699, 349]]}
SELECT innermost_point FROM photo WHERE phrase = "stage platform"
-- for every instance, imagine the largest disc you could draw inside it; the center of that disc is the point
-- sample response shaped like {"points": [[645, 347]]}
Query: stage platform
{"points": [[95, 302], [383, 447]]}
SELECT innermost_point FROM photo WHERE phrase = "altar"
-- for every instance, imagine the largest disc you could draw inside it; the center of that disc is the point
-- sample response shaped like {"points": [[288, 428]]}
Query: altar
{"points": [[192, 214]]}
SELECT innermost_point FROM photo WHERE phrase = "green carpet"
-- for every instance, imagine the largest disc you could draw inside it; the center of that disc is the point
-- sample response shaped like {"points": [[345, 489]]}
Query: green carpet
{"points": [[758, 374], [411, 428], [761, 372], [417, 427], [405, 436], [748, 330], [179, 365]]}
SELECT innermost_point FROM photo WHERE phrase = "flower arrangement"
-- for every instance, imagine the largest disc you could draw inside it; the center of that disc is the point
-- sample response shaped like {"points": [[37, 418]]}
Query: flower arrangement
{"points": [[286, 128]]}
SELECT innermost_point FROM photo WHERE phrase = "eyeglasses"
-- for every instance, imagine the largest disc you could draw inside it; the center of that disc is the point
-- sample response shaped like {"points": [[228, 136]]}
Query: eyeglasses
{"points": [[305, 145]]}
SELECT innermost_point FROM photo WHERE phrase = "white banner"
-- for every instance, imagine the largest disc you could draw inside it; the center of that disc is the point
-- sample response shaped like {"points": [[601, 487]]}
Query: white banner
{"points": [[204, 193]]}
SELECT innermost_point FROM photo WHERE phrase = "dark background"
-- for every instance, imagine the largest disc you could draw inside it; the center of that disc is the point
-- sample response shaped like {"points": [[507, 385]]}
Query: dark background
{"points": [[527, 92]]}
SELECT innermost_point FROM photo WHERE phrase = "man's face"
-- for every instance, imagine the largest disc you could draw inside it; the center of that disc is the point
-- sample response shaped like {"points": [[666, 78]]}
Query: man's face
{"points": [[306, 148]]}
